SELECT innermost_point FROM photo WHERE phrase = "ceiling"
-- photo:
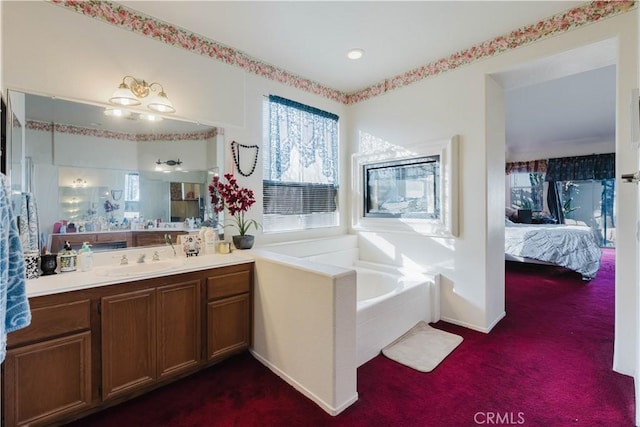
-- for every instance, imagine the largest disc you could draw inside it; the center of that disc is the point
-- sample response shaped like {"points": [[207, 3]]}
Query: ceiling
{"points": [[311, 39]]}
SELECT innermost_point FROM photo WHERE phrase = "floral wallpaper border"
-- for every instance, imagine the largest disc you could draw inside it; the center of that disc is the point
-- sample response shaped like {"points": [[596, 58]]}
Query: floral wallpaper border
{"points": [[142, 24], [122, 136]]}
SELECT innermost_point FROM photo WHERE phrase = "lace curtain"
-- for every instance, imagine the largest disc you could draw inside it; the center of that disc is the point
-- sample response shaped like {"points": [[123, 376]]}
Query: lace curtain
{"points": [[303, 136]]}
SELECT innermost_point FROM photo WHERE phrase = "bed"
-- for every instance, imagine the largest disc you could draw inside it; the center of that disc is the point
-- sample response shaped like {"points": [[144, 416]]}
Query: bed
{"points": [[570, 246]]}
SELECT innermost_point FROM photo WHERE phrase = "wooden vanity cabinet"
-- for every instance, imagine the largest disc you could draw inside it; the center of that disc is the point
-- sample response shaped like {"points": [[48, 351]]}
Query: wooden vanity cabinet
{"points": [[47, 370], [89, 349], [148, 335], [229, 308], [128, 342]]}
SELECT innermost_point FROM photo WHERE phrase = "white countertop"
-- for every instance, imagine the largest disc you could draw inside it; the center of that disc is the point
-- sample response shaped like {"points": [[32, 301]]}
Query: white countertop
{"points": [[78, 280]]}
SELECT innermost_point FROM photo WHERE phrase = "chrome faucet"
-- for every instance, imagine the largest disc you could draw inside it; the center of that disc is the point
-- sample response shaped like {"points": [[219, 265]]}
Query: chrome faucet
{"points": [[141, 258]]}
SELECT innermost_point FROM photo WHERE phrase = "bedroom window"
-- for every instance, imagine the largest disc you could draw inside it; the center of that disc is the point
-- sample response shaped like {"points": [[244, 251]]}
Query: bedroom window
{"points": [[526, 190], [300, 173], [591, 203]]}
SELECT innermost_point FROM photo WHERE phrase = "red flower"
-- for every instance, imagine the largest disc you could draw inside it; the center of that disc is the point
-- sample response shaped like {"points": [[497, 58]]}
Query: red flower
{"points": [[237, 200]]}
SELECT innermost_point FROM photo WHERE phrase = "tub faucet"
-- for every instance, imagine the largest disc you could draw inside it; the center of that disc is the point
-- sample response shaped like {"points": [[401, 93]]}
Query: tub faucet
{"points": [[141, 258]]}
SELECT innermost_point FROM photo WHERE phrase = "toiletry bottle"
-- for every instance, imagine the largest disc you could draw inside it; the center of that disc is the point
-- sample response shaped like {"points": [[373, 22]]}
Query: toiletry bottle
{"points": [[85, 257]]}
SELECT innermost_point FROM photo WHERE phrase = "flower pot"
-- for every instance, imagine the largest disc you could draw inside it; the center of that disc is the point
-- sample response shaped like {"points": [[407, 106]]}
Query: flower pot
{"points": [[243, 242]]}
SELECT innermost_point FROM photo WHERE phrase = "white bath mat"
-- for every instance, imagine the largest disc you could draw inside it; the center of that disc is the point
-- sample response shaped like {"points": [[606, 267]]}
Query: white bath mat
{"points": [[422, 347]]}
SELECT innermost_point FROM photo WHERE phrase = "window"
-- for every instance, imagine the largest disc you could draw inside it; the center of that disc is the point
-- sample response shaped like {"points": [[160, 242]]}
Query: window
{"points": [[591, 202], [407, 189], [526, 190], [300, 178], [131, 195], [403, 189]]}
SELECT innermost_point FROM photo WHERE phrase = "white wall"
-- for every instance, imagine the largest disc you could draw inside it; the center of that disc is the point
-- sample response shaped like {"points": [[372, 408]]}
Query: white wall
{"points": [[462, 102]]}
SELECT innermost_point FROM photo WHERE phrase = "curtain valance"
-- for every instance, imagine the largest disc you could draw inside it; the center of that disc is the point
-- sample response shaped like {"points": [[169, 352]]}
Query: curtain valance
{"points": [[527, 167], [305, 136], [303, 107], [597, 166]]}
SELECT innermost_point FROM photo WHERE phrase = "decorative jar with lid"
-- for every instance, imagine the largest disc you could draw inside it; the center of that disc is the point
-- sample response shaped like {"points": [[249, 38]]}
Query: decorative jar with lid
{"points": [[68, 258]]}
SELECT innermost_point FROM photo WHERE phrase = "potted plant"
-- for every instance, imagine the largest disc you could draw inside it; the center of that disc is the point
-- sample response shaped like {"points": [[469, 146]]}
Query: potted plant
{"points": [[237, 201]]}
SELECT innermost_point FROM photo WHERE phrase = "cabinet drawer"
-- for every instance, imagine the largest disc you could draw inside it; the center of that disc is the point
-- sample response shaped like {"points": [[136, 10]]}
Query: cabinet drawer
{"points": [[53, 320], [228, 284]]}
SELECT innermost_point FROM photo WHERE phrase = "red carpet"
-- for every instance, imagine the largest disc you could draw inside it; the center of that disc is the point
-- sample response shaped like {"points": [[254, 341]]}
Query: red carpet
{"points": [[547, 363]]}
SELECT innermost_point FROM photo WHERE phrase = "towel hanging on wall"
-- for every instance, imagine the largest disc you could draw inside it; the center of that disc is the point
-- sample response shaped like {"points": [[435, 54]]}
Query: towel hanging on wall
{"points": [[14, 305], [29, 232]]}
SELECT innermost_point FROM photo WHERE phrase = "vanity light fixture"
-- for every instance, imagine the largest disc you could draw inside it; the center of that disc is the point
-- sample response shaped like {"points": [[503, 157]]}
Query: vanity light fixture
{"points": [[172, 163], [79, 182], [355, 53], [131, 91]]}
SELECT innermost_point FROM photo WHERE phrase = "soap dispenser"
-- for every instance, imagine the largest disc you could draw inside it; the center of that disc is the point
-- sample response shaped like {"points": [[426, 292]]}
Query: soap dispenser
{"points": [[85, 257]]}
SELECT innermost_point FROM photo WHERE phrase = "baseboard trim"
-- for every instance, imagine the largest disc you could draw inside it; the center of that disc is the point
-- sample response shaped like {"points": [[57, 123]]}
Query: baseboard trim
{"points": [[331, 410], [482, 329]]}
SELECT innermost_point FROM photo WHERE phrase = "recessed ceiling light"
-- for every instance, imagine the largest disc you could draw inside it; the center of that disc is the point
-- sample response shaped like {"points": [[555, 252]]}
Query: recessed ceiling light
{"points": [[355, 54]]}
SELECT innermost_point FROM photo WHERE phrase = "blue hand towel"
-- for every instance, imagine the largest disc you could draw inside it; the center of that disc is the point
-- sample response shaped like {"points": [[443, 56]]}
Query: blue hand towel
{"points": [[29, 223], [14, 304]]}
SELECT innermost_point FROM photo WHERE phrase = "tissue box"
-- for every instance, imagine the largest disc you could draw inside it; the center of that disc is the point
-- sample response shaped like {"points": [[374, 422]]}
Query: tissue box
{"points": [[191, 244]]}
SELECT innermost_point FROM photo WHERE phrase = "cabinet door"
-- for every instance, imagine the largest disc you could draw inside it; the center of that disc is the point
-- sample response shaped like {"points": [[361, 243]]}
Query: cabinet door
{"points": [[228, 326], [47, 380], [179, 326], [128, 342]]}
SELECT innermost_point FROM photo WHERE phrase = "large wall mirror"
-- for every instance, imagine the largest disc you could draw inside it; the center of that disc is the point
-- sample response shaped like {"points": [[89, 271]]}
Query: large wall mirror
{"points": [[93, 171]]}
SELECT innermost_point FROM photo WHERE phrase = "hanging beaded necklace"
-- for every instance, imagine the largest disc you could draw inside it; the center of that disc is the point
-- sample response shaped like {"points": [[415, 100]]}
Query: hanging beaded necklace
{"points": [[236, 157]]}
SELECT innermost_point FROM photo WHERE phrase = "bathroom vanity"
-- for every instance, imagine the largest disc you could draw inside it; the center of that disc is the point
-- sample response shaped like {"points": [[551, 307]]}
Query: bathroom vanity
{"points": [[98, 346]]}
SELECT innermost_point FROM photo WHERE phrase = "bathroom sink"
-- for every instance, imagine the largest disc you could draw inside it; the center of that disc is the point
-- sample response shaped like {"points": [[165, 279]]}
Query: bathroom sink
{"points": [[139, 269]]}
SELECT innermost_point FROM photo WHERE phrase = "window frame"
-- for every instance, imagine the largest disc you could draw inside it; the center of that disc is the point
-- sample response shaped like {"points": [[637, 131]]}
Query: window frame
{"points": [[532, 188], [304, 219], [446, 224]]}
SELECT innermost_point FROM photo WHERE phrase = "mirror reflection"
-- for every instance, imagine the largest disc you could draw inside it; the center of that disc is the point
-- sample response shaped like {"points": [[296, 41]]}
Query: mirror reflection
{"points": [[95, 173]]}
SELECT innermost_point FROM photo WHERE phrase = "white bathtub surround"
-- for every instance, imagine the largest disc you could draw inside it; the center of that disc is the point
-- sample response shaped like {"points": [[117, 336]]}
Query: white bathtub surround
{"points": [[304, 327], [320, 312], [395, 304]]}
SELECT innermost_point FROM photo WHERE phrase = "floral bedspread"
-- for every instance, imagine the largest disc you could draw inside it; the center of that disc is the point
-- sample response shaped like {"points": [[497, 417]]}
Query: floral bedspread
{"points": [[571, 246]]}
